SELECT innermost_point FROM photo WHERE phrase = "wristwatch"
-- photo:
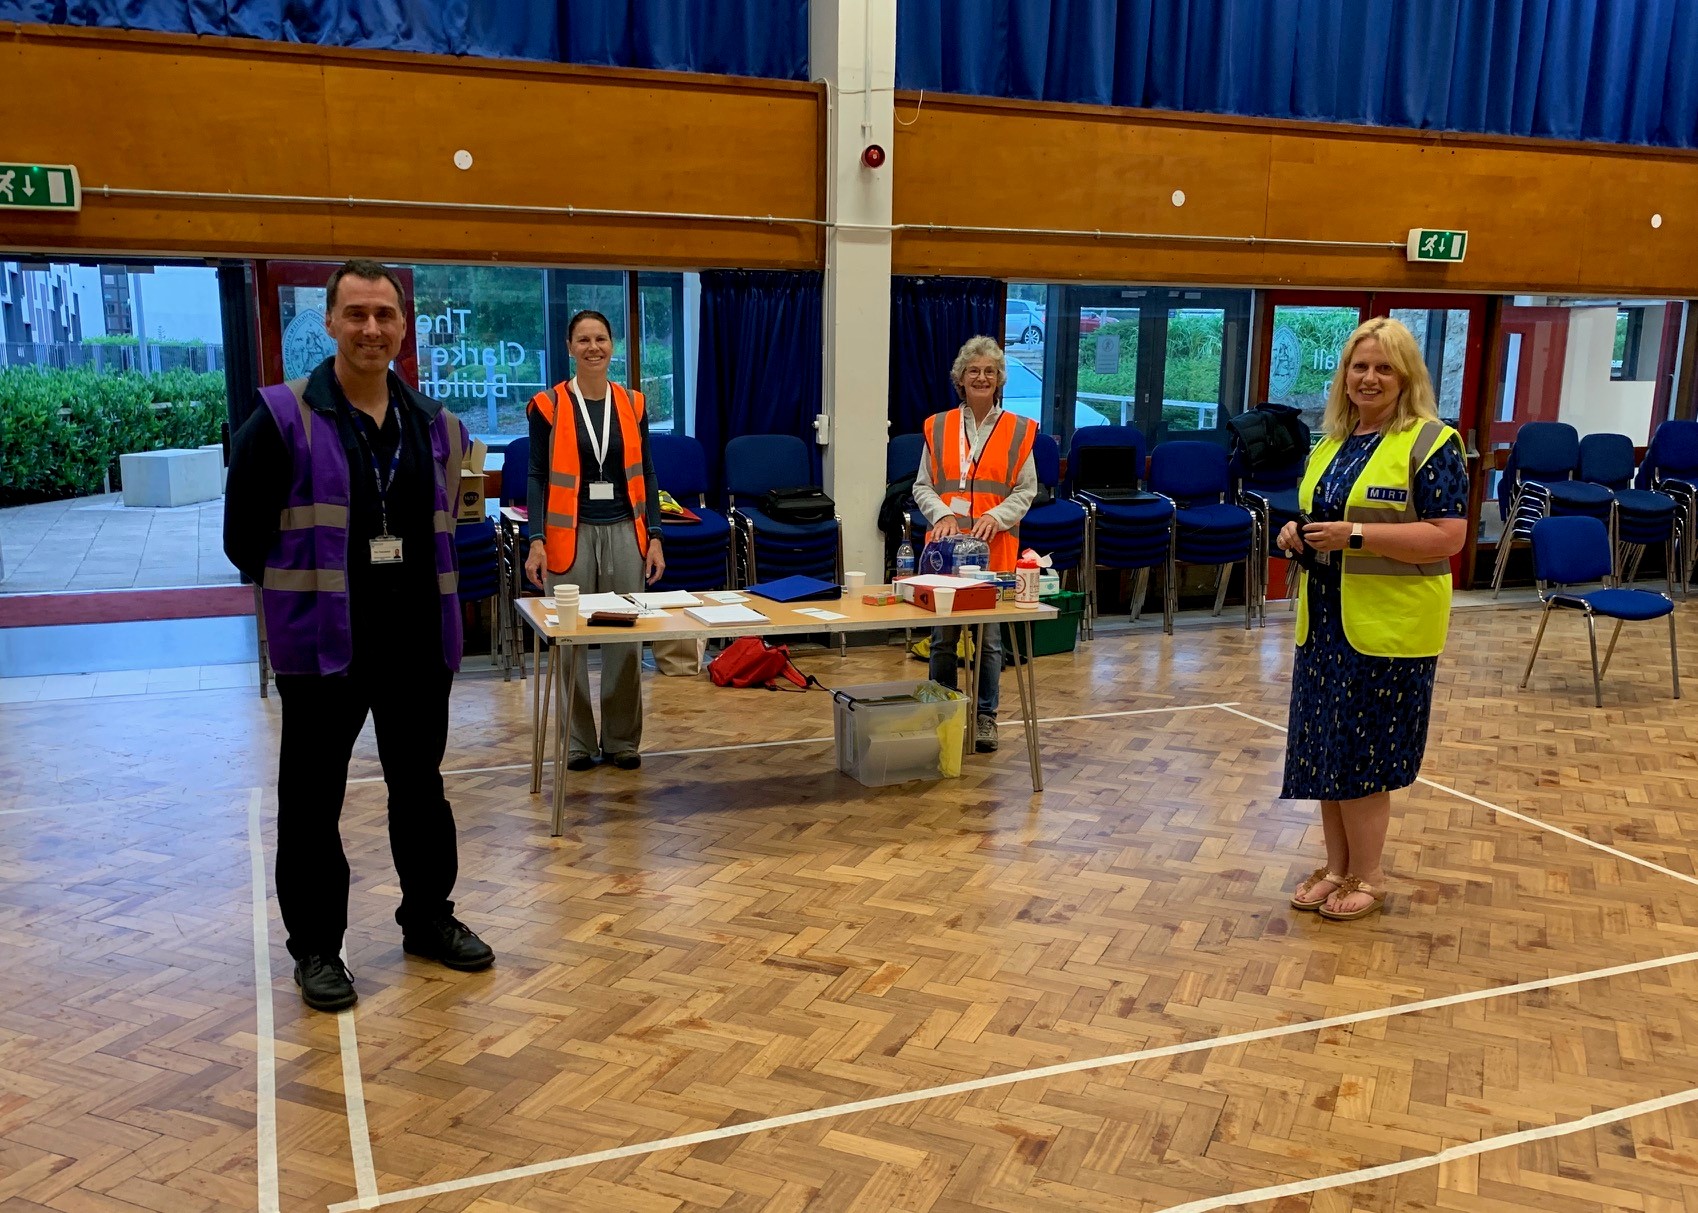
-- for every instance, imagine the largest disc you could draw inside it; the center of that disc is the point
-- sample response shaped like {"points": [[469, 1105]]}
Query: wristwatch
{"points": [[1356, 537]]}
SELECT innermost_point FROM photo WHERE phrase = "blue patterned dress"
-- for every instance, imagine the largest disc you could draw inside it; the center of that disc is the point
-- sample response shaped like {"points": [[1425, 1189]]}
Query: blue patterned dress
{"points": [[1359, 723]]}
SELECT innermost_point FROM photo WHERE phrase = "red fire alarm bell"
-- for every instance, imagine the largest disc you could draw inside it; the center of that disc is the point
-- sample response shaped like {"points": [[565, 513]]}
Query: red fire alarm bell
{"points": [[873, 157]]}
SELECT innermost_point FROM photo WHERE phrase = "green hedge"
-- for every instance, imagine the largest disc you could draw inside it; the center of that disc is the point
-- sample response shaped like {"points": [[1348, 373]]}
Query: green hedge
{"points": [[45, 455]]}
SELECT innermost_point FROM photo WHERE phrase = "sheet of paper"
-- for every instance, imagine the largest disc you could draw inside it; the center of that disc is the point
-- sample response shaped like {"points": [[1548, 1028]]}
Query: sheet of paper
{"points": [[666, 598], [725, 596], [589, 604], [716, 616], [655, 613], [822, 615]]}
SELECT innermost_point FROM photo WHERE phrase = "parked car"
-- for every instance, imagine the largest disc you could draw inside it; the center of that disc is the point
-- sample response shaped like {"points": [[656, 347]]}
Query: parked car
{"points": [[1023, 395], [1090, 320], [1023, 323]]}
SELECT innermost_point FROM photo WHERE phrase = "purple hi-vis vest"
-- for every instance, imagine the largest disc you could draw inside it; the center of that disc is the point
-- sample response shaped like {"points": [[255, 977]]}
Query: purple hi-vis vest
{"points": [[308, 627]]}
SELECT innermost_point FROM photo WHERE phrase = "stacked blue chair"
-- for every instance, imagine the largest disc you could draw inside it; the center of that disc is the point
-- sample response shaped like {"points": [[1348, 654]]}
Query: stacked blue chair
{"points": [[480, 569], [901, 461], [1671, 466], [1271, 494], [1576, 551], [766, 548], [1207, 529], [512, 546], [1130, 535], [1642, 516], [698, 554], [1058, 528], [1540, 482]]}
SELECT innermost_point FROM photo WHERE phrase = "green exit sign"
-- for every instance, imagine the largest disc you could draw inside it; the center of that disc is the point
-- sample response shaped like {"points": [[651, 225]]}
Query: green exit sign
{"points": [[1428, 244], [40, 187]]}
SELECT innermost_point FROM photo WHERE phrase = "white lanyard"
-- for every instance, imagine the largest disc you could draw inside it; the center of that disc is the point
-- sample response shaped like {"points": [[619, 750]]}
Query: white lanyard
{"points": [[598, 449], [969, 465]]}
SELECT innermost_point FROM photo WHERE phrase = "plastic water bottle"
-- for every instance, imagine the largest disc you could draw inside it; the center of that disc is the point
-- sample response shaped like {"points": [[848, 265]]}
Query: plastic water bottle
{"points": [[905, 560]]}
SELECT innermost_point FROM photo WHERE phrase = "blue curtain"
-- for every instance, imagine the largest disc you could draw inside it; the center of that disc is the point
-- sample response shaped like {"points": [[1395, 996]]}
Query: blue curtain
{"points": [[759, 370], [1615, 71], [930, 318], [732, 37]]}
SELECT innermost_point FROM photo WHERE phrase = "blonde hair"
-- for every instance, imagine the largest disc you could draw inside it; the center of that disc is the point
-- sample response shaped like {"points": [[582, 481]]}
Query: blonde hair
{"points": [[978, 347], [1415, 402]]}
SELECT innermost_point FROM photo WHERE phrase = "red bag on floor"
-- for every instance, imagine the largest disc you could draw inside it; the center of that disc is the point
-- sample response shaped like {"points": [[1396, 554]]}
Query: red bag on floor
{"points": [[750, 661]]}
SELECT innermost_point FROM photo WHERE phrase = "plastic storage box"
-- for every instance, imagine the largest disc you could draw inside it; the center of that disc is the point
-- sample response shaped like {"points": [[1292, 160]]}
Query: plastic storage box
{"points": [[1058, 635], [886, 735]]}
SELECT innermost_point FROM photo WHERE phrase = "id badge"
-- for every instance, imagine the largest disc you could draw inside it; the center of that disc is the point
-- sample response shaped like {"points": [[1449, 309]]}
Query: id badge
{"points": [[961, 507], [386, 549], [601, 490]]}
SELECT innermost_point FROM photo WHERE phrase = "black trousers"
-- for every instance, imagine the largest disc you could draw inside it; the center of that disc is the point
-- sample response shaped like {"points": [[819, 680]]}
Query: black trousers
{"points": [[322, 717]]}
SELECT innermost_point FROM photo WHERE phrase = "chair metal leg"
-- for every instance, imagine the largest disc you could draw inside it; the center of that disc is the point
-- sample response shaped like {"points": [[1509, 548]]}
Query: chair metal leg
{"points": [[1610, 652], [1140, 591], [1597, 677], [1169, 598], [1223, 575], [1506, 541], [1674, 657], [1538, 637]]}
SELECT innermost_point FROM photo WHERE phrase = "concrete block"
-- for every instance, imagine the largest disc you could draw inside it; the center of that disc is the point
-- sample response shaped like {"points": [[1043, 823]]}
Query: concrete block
{"points": [[174, 477]]}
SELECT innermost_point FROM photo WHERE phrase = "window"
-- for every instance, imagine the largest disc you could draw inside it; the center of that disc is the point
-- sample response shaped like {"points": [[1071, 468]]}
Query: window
{"points": [[1629, 333]]}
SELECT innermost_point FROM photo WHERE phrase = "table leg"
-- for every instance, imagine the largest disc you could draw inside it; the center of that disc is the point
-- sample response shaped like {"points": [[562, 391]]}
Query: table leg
{"points": [[539, 714], [1029, 702], [975, 637], [564, 660]]}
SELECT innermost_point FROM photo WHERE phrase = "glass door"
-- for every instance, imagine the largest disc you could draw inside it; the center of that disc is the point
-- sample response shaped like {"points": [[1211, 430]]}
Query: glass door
{"points": [[1302, 333], [292, 340]]}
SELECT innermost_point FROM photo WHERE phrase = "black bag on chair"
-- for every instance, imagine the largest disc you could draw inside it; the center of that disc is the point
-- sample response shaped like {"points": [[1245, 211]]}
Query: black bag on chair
{"points": [[798, 506], [1270, 436]]}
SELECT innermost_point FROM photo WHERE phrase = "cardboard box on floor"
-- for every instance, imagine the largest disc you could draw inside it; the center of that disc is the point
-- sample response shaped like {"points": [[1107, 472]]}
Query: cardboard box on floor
{"points": [[471, 484]]}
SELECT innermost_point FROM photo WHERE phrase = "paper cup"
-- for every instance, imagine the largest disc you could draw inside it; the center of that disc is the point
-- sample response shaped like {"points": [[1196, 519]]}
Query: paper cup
{"points": [[852, 582], [944, 598]]}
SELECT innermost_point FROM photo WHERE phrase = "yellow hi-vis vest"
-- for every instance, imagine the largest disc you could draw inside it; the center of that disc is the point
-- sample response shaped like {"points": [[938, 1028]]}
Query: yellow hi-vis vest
{"points": [[1391, 608]]}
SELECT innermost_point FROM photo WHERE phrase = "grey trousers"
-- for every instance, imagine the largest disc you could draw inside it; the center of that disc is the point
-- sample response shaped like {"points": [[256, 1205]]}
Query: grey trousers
{"points": [[607, 562]]}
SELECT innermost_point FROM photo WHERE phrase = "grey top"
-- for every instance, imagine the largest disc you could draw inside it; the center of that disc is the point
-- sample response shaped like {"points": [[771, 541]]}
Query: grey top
{"points": [[1014, 506]]}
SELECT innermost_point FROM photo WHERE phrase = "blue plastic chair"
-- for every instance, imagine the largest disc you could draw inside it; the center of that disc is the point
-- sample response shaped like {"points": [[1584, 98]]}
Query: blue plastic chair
{"points": [[1576, 551], [1671, 466], [1060, 528], [1207, 529], [480, 571], [1133, 536], [901, 460], [766, 548], [1541, 482], [698, 554], [1271, 494], [1641, 516]]}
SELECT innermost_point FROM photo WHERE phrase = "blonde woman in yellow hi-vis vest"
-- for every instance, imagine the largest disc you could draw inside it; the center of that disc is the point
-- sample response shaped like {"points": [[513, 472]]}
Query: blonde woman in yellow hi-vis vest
{"points": [[1386, 492]]}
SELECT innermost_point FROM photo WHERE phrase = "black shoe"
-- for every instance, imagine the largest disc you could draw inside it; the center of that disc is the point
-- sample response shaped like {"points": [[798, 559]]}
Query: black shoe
{"points": [[326, 984], [628, 762], [449, 941], [582, 762]]}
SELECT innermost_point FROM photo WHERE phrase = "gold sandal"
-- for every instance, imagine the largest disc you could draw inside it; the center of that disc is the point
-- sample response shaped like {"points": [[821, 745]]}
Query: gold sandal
{"points": [[1298, 902], [1354, 884]]}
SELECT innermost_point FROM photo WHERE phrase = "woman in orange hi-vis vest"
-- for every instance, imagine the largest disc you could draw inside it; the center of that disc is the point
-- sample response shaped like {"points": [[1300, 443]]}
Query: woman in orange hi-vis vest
{"points": [[976, 476], [595, 524]]}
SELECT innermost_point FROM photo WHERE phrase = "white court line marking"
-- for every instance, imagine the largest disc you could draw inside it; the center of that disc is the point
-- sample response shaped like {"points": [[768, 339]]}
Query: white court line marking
{"points": [[1532, 821], [266, 1101], [764, 745], [354, 1096], [1483, 1146], [1002, 1080]]}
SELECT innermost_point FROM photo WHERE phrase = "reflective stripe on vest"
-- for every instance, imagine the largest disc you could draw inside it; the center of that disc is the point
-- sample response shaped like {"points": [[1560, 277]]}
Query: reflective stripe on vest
{"points": [[1390, 608], [995, 473], [560, 530], [304, 585]]}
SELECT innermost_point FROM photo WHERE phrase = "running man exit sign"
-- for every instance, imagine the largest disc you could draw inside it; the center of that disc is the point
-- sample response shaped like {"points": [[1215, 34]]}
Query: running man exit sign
{"points": [[40, 187], [1429, 244]]}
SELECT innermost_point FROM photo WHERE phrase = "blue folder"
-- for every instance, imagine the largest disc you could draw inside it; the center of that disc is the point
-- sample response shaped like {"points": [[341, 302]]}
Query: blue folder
{"points": [[797, 589]]}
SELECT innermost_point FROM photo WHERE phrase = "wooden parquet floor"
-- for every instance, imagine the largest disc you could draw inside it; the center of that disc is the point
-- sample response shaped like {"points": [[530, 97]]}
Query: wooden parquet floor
{"points": [[955, 998]]}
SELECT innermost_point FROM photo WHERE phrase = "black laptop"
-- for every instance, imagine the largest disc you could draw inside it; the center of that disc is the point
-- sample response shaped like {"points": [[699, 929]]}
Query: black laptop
{"points": [[1110, 473]]}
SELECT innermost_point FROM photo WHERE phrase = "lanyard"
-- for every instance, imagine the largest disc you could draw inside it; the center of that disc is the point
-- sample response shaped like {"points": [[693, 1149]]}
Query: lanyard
{"points": [[369, 442], [969, 465], [598, 449]]}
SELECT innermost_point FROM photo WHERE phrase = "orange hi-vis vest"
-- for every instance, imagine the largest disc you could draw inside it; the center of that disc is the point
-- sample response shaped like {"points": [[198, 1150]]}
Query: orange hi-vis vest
{"points": [[985, 483], [560, 534]]}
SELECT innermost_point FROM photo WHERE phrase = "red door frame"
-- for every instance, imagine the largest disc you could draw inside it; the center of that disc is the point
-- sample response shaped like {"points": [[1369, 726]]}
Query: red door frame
{"points": [[270, 275]]}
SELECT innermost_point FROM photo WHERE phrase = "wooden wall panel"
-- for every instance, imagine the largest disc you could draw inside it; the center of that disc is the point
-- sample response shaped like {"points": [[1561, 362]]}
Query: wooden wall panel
{"points": [[158, 112], [1543, 217]]}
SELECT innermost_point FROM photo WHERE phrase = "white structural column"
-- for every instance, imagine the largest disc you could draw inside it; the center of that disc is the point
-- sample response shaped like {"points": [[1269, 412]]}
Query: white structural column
{"points": [[852, 48]]}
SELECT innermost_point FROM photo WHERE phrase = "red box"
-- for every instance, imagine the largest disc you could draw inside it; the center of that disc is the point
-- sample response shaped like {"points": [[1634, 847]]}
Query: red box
{"points": [[967, 598]]}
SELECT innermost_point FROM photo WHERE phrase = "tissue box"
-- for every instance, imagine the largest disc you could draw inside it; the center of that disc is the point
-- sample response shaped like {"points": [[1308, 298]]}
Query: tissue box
{"points": [[981, 597]]}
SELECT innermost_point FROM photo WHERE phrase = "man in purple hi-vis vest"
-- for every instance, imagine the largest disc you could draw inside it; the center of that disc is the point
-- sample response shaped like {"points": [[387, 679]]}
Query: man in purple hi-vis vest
{"points": [[340, 507]]}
